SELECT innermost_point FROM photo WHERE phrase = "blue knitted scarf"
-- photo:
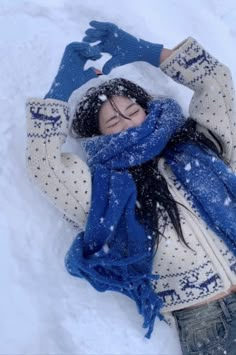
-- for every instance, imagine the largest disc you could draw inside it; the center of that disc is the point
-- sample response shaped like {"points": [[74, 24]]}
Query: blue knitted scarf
{"points": [[116, 251]]}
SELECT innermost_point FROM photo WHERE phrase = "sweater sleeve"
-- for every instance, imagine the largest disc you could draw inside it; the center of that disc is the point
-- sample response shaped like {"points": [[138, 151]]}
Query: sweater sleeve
{"points": [[64, 178], [212, 104]]}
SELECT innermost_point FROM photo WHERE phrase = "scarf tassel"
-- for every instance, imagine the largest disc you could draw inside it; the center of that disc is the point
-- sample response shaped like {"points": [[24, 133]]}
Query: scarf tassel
{"points": [[104, 276]]}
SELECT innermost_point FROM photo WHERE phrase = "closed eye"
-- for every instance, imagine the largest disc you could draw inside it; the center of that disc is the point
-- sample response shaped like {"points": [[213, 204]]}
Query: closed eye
{"points": [[133, 113], [130, 114], [114, 124]]}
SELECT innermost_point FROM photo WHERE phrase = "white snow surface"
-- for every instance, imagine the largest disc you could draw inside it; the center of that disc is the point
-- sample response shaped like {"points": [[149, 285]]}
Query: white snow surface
{"points": [[43, 309]]}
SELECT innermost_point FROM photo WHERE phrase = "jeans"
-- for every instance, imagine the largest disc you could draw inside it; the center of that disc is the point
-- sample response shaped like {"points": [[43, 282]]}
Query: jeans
{"points": [[208, 329]]}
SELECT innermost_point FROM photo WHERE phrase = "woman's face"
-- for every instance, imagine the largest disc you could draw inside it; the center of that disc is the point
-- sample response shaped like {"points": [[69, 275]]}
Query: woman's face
{"points": [[112, 112]]}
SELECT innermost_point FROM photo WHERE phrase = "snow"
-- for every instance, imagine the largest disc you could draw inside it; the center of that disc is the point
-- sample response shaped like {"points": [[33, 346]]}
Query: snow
{"points": [[106, 248], [102, 97], [188, 167], [43, 309], [227, 201]]}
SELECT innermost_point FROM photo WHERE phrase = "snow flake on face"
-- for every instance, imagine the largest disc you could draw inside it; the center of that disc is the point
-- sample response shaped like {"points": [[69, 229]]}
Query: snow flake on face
{"points": [[227, 201], [149, 237], [213, 159], [111, 228], [197, 163], [188, 167], [101, 220]]}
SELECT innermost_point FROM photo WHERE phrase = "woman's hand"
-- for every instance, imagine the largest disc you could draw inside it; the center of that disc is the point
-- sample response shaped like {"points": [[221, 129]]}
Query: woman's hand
{"points": [[71, 74], [123, 47]]}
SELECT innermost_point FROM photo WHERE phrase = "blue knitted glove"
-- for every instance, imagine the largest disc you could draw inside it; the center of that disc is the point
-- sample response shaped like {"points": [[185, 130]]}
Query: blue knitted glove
{"points": [[123, 47], [71, 74]]}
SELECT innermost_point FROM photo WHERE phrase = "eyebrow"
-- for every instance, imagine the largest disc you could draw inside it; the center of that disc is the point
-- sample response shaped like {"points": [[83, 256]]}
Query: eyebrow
{"points": [[114, 116], [132, 104]]}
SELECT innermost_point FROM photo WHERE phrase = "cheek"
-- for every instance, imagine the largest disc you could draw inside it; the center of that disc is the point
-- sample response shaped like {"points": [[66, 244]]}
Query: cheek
{"points": [[141, 117], [116, 129]]}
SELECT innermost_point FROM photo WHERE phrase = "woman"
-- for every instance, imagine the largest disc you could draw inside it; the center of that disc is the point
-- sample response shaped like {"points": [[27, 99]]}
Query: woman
{"points": [[160, 224]]}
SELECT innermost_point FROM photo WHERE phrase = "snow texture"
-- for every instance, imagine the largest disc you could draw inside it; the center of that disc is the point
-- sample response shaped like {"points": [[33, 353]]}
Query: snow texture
{"points": [[43, 309]]}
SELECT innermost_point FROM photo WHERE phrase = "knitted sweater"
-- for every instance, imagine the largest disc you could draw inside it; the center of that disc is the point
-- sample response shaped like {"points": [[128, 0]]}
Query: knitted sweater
{"points": [[186, 277]]}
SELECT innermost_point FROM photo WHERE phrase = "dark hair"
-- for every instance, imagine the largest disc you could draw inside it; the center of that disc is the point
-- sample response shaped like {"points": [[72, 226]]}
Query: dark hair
{"points": [[86, 123], [155, 204]]}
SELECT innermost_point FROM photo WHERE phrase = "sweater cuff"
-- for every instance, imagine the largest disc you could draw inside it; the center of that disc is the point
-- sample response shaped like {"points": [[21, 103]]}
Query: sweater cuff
{"points": [[190, 64], [177, 50], [47, 118]]}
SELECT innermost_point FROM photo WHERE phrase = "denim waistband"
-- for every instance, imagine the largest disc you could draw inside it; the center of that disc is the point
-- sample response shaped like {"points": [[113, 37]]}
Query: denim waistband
{"points": [[226, 305]]}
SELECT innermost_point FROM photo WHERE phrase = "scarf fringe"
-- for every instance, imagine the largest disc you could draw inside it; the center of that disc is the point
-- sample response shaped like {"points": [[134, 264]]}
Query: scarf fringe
{"points": [[104, 276]]}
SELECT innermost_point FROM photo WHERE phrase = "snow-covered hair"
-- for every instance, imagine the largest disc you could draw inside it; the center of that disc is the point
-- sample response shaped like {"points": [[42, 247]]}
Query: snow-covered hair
{"points": [[85, 122]]}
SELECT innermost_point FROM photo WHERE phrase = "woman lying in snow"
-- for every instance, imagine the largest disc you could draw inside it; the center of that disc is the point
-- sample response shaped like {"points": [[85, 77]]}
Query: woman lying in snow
{"points": [[156, 199]]}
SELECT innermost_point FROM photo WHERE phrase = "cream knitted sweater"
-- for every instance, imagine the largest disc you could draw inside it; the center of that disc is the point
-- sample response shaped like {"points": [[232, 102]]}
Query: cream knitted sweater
{"points": [[186, 277]]}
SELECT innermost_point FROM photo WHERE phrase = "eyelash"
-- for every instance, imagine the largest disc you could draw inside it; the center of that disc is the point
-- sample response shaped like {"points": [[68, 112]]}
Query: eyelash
{"points": [[134, 112], [129, 115]]}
